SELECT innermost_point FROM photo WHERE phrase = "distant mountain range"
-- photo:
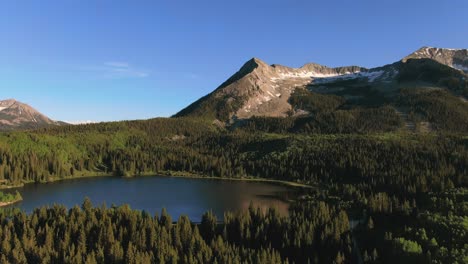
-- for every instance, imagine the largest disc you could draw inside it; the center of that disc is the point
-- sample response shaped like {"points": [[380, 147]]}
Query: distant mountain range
{"points": [[259, 89], [422, 88], [15, 115]]}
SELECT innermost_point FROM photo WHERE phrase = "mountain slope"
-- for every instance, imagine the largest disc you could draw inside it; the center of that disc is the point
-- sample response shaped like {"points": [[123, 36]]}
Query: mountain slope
{"points": [[345, 96], [259, 89], [16, 115], [455, 58]]}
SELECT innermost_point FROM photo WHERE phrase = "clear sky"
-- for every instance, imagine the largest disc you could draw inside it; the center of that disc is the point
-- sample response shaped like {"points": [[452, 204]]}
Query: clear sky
{"points": [[101, 60]]}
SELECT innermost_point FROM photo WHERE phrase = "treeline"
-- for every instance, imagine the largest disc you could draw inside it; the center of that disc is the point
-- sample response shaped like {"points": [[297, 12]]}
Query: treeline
{"points": [[314, 233], [369, 112], [394, 162], [351, 121], [331, 114], [430, 71]]}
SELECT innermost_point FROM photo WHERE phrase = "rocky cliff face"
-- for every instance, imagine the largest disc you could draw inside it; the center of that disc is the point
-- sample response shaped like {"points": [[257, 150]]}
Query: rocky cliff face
{"points": [[17, 115]]}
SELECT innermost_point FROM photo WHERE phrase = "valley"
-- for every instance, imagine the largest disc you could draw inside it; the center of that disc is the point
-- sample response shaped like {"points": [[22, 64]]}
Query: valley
{"points": [[387, 146], [233, 132]]}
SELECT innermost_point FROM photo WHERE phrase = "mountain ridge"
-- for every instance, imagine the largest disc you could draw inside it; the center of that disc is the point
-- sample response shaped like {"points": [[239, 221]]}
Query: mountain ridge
{"points": [[258, 89], [455, 58], [263, 83], [15, 115]]}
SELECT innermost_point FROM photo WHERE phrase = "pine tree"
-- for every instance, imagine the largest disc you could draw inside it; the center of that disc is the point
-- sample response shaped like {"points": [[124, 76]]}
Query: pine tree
{"points": [[208, 226], [339, 258], [370, 223], [366, 257], [375, 255]]}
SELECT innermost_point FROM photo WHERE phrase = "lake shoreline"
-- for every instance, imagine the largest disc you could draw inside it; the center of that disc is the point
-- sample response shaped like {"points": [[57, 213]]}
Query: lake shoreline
{"points": [[165, 174], [152, 193], [3, 204], [285, 183], [174, 174]]}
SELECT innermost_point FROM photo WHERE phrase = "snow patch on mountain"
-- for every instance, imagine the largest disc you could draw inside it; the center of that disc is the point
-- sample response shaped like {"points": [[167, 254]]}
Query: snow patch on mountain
{"points": [[81, 122], [460, 67], [371, 75], [307, 75]]}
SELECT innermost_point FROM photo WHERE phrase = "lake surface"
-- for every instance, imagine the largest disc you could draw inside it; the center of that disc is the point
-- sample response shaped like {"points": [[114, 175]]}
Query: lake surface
{"points": [[180, 196]]}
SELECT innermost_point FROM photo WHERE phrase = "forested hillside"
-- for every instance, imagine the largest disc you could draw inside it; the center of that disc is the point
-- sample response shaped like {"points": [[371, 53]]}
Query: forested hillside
{"points": [[319, 151], [407, 192], [387, 164], [195, 147]]}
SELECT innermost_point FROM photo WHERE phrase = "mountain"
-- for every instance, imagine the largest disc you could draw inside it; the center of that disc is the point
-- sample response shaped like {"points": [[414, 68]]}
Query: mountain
{"points": [[275, 91], [260, 89], [15, 115], [455, 58]]}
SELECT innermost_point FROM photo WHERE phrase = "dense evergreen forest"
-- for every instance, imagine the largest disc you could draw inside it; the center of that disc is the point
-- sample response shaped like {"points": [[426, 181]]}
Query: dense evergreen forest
{"points": [[405, 193], [316, 233]]}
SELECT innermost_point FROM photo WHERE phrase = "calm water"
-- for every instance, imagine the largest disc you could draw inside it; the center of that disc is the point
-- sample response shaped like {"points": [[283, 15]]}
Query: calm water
{"points": [[180, 196]]}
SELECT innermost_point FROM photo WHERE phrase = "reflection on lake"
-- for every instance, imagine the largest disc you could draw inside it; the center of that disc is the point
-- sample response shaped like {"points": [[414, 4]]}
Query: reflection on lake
{"points": [[180, 196]]}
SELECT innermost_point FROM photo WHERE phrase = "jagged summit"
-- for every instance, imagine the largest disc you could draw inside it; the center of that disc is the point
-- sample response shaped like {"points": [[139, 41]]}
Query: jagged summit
{"points": [[256, 62], [260, 89], [252, 64], [17, 115], [455, 58]]}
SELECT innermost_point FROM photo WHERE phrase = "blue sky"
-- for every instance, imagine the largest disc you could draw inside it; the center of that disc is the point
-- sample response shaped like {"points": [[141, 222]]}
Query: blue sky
{"points": [[112, 60]]}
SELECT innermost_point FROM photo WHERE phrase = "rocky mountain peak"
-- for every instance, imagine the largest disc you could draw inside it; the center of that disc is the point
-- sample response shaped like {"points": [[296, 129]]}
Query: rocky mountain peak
{"points": [[17, 115], [254, 63], [260, 89], [455, 58]]}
